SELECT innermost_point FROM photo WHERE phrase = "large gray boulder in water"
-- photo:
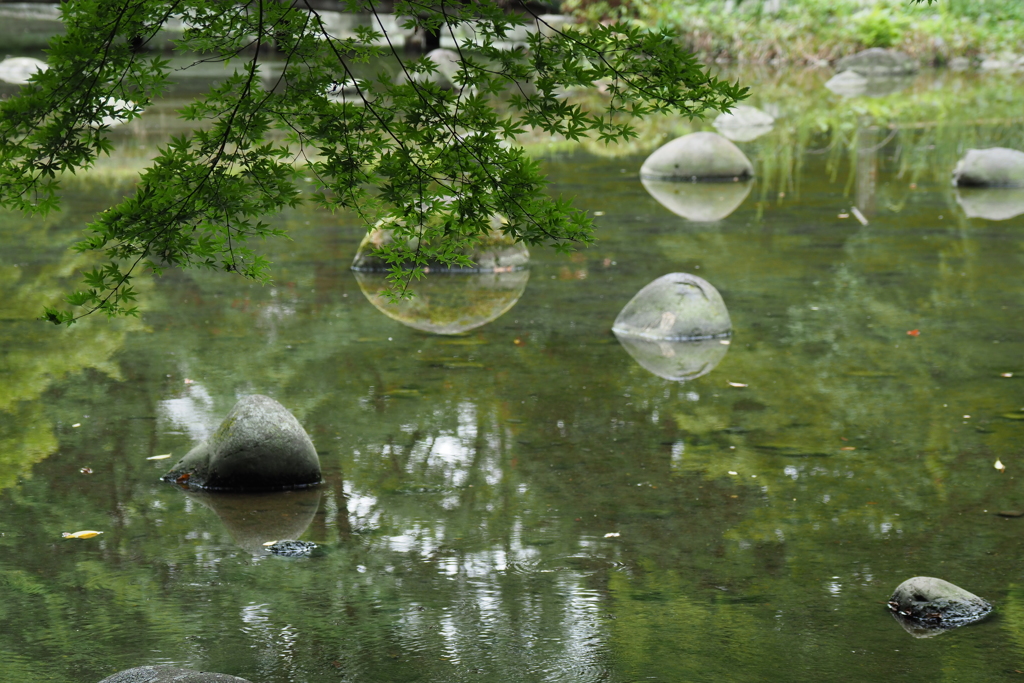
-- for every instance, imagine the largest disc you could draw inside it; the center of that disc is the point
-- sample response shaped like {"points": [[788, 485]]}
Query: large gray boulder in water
{"points": [[992, 167], [169, 674], [259, 446], [675, 307], [926, 606], [878, 61], [697, 156]]}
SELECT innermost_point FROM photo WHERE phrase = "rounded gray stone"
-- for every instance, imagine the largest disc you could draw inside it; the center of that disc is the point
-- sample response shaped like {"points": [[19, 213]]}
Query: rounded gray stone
{"points": [[854, 84], [447, 63], [496, 252], [675, 307], [991, 203], [992, 167], [934, 604], [19, 70], [169, 674], [259, 446], [697, 156], [699, 202], [677, 361], [878, 61], [744, 123]]}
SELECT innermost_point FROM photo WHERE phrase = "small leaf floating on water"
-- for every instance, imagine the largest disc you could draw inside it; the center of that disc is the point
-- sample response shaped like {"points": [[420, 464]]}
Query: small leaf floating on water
{"points": [[999, 465], [848, 448], [77, 424], [189, 381], [183, 479], [269, 543], [82, 534], [612, 534], [1006, 374], [914, 333], [159, 457], [738, 385], [86, 470]]}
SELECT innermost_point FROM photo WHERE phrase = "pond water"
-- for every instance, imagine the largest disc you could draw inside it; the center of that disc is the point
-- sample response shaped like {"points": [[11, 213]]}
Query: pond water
{"points": [[525, 501]]}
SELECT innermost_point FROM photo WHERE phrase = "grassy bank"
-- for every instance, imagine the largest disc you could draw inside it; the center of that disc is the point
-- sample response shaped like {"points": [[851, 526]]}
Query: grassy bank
{"points": [[812, 31]]}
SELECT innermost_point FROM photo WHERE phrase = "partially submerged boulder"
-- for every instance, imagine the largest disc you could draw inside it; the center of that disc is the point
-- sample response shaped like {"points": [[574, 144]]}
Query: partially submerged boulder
{"points": [[259, 446], [991, 203], [926, 606], [699, 202], [992, 167], [854, 84], [675, 307], [19, 70], [744, 123], [495, 252], [699, 156], [169, 674], [878, 61]]}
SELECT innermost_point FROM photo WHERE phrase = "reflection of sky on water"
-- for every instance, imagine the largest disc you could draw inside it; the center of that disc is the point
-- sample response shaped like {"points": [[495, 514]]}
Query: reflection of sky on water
{"points": [[193, 412]]}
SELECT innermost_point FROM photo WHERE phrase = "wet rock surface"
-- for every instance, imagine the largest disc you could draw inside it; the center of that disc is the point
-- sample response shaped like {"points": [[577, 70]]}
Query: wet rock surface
{"points": [[169, 674], [699, 156], [675, 307], [992, 167], [699, 202], [878, 61], [259, 446], [926, 606]]}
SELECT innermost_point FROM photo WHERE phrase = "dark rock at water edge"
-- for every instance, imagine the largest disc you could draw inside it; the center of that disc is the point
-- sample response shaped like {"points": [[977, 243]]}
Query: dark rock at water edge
{"points": [[259, 446], [169, 674], [699, 156], [878, 61], [926, 606], [992, 167], [675, 307]]}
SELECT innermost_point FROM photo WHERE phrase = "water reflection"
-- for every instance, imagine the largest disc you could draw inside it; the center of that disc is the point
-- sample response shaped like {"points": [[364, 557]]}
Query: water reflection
{"points": [[448, 303], [700, 202], [850, 84], [253, 519], [994, 204], [678, 361]]}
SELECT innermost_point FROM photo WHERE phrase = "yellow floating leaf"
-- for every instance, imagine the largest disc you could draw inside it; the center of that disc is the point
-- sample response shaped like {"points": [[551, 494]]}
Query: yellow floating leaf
{"points": [[81, 534], [999, 466], [737, 385], [159, 457], [269, 543]]}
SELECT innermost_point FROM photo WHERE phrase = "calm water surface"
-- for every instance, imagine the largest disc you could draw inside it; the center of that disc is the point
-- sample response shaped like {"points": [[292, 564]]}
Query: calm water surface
{"points": [[525, 501]]}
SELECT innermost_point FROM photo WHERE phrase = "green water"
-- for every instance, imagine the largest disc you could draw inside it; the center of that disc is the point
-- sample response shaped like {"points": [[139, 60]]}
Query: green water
{"points": [[471, 482]]}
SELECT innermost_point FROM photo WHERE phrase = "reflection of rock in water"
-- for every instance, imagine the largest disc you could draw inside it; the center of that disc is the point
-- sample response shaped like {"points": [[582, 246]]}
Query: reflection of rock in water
{"points": [[675, 327], [744, 123], [994, 204], [853, 84], [253, 519], [449, 303], [675, 360], [699, 202]]}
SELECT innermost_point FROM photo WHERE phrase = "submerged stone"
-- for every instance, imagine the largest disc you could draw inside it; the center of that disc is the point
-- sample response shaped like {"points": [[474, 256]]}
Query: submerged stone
{"points": [[448, 303], [699, 202], [744, 123], [926, 606], [992, 167], [169, 674], [259, 446], [994, 204], [19, 70], [253, 519], [878, 61], [697, 156], [677, 361], [675, 307]]}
